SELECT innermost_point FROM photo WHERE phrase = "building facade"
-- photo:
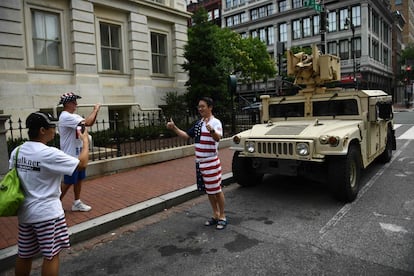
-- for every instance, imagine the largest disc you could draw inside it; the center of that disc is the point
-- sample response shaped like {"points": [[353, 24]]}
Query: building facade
{"points": [[359, 32], [124, 54], [406, 9]]}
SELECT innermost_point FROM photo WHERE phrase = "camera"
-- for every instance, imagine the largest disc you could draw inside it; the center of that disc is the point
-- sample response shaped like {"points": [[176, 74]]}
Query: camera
{"points": [[81, 127]]}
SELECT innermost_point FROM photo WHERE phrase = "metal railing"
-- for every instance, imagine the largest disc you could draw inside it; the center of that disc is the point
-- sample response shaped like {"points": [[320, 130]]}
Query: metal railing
{"points": [[141, 132]]}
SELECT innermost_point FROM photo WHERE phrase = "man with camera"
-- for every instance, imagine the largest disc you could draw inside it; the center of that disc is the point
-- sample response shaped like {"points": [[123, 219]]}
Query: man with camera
{"points": [[70, 127]]}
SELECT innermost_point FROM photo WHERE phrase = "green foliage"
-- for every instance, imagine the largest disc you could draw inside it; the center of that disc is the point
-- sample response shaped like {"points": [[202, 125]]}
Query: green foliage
{"points": [[176, 107], [213, 54]]}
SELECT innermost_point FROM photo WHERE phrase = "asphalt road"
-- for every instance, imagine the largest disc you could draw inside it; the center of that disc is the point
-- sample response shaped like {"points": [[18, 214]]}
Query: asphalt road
{"points": [[285, 226]]}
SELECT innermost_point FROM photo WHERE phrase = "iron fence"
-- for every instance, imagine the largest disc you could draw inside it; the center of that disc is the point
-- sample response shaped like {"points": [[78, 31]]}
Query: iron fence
{"points": [[141, 132]]}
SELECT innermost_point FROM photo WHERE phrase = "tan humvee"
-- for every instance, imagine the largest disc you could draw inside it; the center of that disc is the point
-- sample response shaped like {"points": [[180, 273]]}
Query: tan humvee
{"points": [[320, 133]]}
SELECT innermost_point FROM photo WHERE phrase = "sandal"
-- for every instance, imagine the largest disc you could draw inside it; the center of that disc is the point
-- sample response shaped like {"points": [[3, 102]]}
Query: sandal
{"points": [[221, 224], [211, 221]]}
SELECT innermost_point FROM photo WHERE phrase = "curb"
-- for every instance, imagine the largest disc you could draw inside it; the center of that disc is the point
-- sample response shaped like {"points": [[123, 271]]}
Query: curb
{"points": [[103, 224]]}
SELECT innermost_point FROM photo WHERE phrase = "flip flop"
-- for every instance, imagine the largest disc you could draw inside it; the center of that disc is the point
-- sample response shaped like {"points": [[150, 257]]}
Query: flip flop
{"points": [[221, 224], [211, 221]]}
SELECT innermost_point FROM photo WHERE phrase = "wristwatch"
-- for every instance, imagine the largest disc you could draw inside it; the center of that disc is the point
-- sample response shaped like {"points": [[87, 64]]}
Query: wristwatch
{"points": [[212, 131]]}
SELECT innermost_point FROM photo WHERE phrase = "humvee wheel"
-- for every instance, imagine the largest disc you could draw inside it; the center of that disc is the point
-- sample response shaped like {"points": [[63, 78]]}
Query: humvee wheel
{"points": [[243, 172], [344, 174], [386, 156]]}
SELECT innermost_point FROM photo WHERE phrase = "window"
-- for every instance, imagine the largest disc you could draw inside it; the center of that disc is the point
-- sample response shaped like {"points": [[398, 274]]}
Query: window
{"points": [[296, 29], [283, 32], [297, 4], [356, 15], [286, 110], [332, 22], [332, 49], [46, 37], [335, 107], [229, 21], [343, 15], [375, 23], [306, 27], [386, 57], [357, 47], [344, 49], [262, 35], [254, 14], [375, 50], [216, 13], [228, 4], [110, 46], [282, 6], [253, 33], [270, 35], [159, 53], [316, 29], [236, 19]]}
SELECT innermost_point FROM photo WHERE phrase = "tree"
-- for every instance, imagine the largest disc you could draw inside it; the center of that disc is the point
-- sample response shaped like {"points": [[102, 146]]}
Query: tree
{"points": [[213, 54], [206, 78]]}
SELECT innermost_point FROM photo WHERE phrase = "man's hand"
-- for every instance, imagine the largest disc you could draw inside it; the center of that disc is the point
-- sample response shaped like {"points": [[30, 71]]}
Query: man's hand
{"points": [[97, 107], [171, 124]]}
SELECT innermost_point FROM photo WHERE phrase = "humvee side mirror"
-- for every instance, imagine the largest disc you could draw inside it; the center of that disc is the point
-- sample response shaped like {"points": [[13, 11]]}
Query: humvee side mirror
{"points": [[385, 110]]}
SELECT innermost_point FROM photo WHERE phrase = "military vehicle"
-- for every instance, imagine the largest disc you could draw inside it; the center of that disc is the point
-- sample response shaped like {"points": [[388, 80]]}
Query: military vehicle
{"points": [[318, 133]]}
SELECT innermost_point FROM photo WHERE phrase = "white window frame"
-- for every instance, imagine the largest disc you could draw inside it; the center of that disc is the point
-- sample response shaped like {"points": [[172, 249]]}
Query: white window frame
{"points": [[113, 18], [63, 49], [167, 52], [121, 62]]}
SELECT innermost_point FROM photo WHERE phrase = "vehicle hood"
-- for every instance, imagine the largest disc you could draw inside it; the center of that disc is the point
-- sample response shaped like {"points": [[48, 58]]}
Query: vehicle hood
{"points": [[305, 129]]}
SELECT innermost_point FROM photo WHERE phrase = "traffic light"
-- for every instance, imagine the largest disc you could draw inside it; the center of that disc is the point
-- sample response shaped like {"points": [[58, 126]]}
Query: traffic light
{"points": [[408, 68]]}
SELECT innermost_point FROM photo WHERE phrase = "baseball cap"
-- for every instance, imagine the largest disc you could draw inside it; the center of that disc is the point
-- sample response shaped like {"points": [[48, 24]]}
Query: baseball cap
{"points": [[37, 120], [69, 97]]}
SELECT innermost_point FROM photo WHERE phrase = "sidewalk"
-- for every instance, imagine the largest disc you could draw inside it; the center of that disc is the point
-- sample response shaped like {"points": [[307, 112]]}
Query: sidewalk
{"points": [[121, 198]]}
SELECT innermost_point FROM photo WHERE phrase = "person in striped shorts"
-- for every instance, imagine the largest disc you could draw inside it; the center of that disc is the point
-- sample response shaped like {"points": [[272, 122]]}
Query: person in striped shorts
{"points": [[207, 133], [42, 224]]}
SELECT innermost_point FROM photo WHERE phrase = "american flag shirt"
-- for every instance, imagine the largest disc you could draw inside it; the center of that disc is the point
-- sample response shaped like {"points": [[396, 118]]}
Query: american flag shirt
{"points": [[205, 145], [206, 151]]}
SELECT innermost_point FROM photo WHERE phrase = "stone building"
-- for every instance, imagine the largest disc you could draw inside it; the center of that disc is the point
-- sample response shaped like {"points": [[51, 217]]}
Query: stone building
{"points": [[125, 54]]}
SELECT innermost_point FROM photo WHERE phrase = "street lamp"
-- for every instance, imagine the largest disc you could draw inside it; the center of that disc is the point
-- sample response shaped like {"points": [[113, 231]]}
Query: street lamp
{"points": [[349, 24]]}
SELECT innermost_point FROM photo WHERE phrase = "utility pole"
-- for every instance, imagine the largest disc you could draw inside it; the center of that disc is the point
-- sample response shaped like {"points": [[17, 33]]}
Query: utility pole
{"points": [[349, 24], [322, 26], [319, 6]]}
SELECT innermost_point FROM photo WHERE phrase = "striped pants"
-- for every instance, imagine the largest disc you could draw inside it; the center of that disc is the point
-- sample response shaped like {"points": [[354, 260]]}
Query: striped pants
{"points": [[48, 237], [211, 173]]}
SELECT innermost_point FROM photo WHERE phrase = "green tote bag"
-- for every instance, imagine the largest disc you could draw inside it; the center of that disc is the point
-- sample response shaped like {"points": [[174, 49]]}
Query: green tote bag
{"points": [[11, 194]]}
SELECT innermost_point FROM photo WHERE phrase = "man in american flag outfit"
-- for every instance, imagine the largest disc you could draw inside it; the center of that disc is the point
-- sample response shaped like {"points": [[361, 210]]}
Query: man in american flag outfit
{"points": [[207, 133]]}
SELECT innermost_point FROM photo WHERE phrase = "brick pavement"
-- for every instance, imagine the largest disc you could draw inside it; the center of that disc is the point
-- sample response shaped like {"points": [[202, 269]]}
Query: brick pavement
{"points": [[110, 193]]}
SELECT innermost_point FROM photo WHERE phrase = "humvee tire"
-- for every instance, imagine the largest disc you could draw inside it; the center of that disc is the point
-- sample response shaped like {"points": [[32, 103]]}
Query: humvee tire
{"points": [[344, 174], [386, 156], [243, 171]]}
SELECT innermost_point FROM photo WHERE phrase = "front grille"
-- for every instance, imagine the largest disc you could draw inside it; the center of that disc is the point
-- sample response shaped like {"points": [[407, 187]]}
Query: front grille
{"points": [[276, 148]]}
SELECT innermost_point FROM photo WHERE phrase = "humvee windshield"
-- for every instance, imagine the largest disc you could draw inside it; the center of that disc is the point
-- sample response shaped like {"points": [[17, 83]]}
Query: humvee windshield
{"points": [[335, 107], [287, 110]]}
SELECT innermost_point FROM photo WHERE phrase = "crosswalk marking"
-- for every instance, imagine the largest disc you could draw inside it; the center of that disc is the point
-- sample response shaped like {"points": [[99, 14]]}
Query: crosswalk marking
{"points": [[408, 134]]}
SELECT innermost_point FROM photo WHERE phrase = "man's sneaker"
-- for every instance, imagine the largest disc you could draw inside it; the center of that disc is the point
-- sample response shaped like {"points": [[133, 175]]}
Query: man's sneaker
{"points": [[80, 206]]}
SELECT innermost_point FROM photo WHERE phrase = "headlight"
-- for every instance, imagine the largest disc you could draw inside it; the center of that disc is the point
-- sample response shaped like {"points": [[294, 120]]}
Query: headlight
{"points": [[250, 147], [330, 140], [302, 149]]}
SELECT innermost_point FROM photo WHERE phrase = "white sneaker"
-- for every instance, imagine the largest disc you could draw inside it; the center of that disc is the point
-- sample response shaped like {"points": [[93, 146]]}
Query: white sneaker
{"points": [[80, 206]]}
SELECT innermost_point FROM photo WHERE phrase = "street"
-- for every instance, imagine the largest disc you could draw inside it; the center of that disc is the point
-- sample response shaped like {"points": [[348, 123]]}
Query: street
{"points": [[285, 226]]}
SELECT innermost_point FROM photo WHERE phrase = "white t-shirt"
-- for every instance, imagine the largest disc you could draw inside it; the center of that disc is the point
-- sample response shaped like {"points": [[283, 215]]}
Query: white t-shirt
{"points": [[40, 169], [69, 138]]}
